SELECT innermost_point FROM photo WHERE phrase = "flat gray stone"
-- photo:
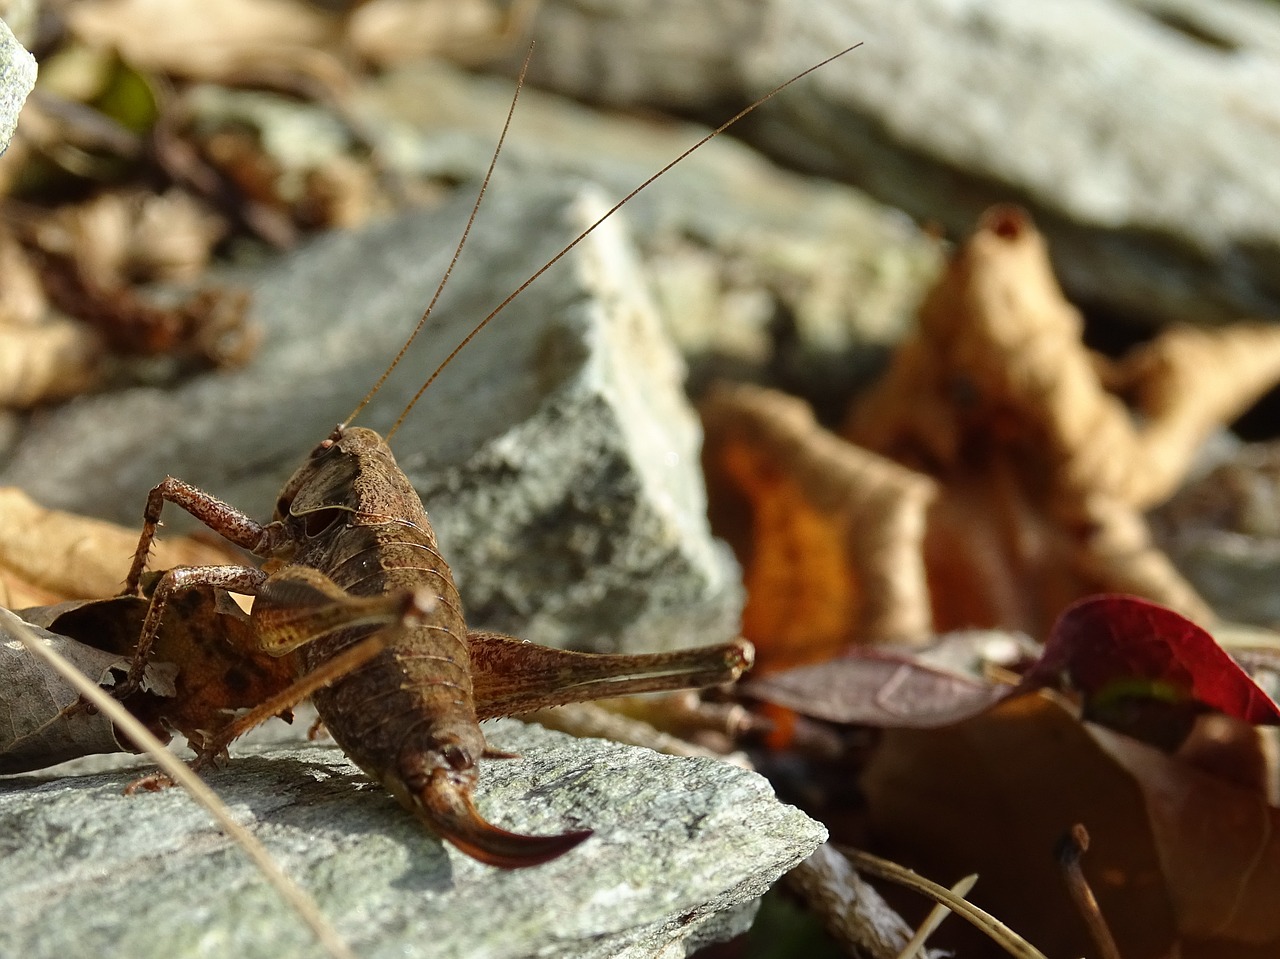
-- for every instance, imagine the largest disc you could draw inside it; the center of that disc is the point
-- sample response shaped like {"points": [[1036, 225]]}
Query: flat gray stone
{"points": [[557, 456], [682, 849], [17, 77], [1137, 131]]}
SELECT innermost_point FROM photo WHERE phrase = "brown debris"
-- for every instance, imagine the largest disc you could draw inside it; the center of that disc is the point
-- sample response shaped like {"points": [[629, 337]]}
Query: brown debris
{"points": [[53, 361], [207, 41], [1179, 858], [828, 534], [850, 909]]}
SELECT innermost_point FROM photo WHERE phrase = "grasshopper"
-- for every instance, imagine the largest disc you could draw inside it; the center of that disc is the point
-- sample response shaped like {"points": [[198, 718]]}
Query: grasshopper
{"points": [[353, 587]]}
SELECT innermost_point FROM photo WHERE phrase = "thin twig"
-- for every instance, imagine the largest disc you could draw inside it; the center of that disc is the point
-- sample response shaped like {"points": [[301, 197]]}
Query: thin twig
{"points": [[850, 910], [594, 721], [1005, 937], [936, 915], [1071, 848]]}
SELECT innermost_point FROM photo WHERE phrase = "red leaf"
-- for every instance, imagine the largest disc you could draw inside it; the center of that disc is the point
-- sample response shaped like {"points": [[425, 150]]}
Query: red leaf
{"points": [[1109, 641]]}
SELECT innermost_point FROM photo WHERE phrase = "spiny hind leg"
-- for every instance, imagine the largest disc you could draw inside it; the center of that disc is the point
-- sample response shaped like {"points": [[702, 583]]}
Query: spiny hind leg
{"points": [[297, 605]]}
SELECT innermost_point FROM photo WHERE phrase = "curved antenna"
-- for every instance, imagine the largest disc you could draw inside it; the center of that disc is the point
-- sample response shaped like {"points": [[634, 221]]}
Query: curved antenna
{"points": [[589, 230], [493, 161]]}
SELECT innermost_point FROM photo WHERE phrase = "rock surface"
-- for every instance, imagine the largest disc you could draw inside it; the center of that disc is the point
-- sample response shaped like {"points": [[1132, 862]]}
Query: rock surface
{"points": [[1222, 529], [759, 272], [681, 850], [17, 77], [557, 457], [1136, 130]]}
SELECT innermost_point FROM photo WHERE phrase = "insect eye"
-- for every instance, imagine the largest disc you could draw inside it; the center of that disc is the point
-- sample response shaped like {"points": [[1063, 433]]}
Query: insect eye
{"points": [[320, 520], [282, 506], [456, 757]]}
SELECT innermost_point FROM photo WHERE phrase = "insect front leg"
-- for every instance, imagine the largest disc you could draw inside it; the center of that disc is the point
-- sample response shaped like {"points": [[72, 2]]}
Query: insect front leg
{"points": [[223, 518], [235, 579]]}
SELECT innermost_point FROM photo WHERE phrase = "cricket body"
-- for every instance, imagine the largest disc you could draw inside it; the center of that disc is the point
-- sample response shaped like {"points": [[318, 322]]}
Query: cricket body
{"points": [[354, 588], [408, 716]]}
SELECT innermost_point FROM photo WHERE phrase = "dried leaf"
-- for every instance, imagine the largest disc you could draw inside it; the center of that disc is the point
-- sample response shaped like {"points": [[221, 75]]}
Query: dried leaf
{"points": [[874, 688], [387, 32], [47, 362], [829, 536], [22, 301], [126, 237], [1044, 472], [33, 733], [74, 556], [1177, 854], [210, 41], [204, 666], [994, 794], [1218, 843]]}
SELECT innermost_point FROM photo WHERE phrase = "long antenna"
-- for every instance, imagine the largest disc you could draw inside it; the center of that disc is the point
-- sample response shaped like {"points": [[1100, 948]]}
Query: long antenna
{"points": [[493, 161], [589, 230]]}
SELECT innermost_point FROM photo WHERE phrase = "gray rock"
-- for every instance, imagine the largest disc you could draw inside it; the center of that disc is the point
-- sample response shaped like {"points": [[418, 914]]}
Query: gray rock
{"points": [[557, 457], [1222, 531], [681, 850], [1136, 130], [17, 77], [759, 272]]}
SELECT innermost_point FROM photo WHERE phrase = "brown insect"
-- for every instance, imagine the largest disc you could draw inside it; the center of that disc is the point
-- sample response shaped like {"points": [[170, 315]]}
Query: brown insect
{"points": [[355, 589]]}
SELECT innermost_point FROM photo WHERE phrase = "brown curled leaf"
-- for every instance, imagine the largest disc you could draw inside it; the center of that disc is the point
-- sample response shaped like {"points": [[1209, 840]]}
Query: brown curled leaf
{"points": [[387, 32], [207, 41], [22, 300], [204, 666], [123, 237], [1044, 468], [47, 362], [1179, 854], [210, 326], [829, 536]]}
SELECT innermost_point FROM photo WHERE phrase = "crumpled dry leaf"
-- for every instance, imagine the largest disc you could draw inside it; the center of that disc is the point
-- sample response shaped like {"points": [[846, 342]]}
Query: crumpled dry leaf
{"points": [[129, 236], [209, 41], [52, 361], [830, 537], [203, 668], [1041, 472], [204, 665], [33, 734], [22, 300], [41, 359], [1177, 854], [387, 32], [1043, 469], [52, 555]]}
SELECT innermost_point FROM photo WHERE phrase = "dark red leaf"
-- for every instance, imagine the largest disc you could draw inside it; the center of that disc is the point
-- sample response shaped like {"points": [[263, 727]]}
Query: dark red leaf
{"points": [[1111, 642], [876, 689]]}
